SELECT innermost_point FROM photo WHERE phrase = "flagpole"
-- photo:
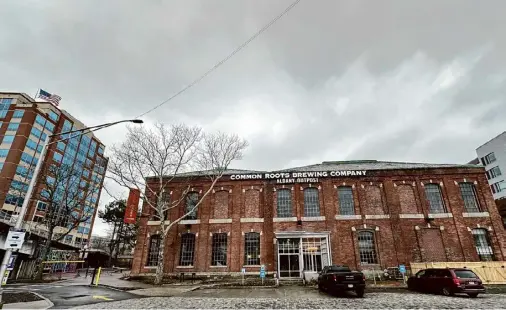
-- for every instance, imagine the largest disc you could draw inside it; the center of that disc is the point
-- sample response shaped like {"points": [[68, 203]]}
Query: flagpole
{"points": [[38, 90]]}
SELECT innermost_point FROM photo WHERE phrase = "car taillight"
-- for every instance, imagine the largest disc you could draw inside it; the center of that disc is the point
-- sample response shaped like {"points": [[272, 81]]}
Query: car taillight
{"points": [[456, 281], [363, 277], [334, 276]]}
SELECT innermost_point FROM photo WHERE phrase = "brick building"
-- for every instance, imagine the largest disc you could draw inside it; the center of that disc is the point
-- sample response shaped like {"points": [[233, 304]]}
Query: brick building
{"points": [[365, 214]]}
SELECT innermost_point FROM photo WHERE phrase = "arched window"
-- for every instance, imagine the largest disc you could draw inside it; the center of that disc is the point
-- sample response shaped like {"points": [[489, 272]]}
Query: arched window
{"points": [[367, 247], [252, 248], [482, 244], [311, 202], [187, 249], [284, 203], [154, 248], [192, 198], [345, 198], [468, 193], [435, 199]]}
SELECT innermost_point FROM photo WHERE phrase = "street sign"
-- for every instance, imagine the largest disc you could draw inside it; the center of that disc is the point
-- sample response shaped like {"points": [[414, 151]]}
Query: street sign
{"points": [[6, 276], [262, 271], [15, 239], [243, 270], [402, 269], [12, 260], [262, 267]]}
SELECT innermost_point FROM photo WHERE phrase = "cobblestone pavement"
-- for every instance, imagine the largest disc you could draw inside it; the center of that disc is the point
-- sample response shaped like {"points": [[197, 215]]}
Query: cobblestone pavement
{"points": [[371, 301]]}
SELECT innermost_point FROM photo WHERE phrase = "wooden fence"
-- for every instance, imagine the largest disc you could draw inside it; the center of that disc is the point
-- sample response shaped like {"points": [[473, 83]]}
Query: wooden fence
{"points": [[489, 272]]}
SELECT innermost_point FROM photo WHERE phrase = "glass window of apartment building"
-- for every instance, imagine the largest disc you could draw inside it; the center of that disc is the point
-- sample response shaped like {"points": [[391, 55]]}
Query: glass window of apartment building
{"points": [[18, 114], [53, 116], [367, 247], [497, 187], [284, 202], [311, 202], [494, 172], [488, 159], [468, 193], [219, 250], [3, 153], [41, 120], [4, 106], [345, 198], [8, 139], [482, 244], [435, 198], [187, 249], [252, 249], [13, 126]]}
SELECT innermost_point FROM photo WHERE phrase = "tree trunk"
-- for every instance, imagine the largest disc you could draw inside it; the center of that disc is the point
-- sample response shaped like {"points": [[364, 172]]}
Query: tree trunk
{"points": [[111, 245], [43, 255], [161, 256], [118, 240]]}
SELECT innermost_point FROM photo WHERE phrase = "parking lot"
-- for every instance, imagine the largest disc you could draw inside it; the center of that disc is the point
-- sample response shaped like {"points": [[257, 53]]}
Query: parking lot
{"points": [[303, 297]]}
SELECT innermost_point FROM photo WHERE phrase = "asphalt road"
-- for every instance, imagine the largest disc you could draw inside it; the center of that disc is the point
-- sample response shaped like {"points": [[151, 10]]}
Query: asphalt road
{"points": [[67, 296]]}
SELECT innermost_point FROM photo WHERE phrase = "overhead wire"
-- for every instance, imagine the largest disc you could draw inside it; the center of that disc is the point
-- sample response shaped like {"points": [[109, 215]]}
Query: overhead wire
{"points": [[221, 62]]}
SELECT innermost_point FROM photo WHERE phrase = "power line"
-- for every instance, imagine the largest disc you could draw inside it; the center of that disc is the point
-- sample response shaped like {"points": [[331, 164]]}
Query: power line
{"points": [[243, 45]]}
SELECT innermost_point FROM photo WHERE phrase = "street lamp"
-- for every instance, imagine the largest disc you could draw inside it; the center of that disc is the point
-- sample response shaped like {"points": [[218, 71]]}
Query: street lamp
{"points": [[33, 181]]}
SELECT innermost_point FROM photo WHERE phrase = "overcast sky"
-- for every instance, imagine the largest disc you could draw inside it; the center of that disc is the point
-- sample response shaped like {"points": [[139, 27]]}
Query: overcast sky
{"points": [[419, 81]]}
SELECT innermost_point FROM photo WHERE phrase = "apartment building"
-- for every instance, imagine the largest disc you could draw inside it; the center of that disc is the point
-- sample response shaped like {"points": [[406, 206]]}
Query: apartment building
{"points": [[492, 155], [24, 126]]}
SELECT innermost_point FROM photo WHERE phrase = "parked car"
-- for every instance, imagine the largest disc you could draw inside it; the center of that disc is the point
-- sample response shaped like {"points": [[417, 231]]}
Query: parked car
{"points": [[338, 278], [448, 281]]}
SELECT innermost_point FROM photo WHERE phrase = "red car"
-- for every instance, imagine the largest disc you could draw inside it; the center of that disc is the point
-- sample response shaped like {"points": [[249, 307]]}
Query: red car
{"points": [[448, 281]]}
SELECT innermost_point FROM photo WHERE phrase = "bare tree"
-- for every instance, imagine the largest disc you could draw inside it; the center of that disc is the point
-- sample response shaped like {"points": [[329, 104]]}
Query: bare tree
{"points": [[150, 159], [63, 201]]}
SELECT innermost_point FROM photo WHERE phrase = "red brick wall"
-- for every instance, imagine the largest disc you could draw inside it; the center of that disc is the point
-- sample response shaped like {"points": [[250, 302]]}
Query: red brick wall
{"points": [[398, 240]]}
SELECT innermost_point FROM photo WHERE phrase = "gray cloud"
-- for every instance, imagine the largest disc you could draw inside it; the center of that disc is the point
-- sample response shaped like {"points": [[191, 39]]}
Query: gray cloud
{"points": [[332, 80]]}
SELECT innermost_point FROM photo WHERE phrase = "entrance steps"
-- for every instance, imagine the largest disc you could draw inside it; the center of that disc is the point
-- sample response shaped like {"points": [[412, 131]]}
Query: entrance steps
{"points": [[290, 281]]}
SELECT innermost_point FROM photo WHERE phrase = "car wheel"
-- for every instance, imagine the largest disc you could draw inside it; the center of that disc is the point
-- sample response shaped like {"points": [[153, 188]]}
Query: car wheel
{"points": [[473, 295], [360, 293], [447, 291]]}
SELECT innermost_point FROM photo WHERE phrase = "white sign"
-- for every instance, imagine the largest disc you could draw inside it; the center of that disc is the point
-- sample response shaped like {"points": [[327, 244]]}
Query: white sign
{"points": [[243, 270], [298, 177], [15, 239]]}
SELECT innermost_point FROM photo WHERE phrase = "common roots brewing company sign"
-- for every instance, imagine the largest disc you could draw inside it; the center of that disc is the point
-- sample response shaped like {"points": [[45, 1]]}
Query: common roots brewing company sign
{"points": [[297, 177]]}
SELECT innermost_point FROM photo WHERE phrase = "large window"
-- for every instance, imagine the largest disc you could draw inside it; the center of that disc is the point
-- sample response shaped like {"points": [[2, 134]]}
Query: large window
{"points": [[4, 106], [497, 187], [219, 250], [311, 202], [8, 139], [367, 247], [191, 201], [284, 201], [435, 199], [482, 244], [494, 172], [13, 127], [187, 249], [154, 248], [346, 203], [18, 114], [488, 159], [252, 248], [468, 192]]}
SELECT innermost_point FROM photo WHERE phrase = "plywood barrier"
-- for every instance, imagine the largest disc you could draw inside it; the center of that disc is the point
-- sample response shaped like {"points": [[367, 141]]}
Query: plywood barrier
{"points": [[489, 272]]}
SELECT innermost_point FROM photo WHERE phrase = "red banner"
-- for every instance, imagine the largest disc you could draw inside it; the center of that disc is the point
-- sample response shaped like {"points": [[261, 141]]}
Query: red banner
{"points": [[132, 206]]}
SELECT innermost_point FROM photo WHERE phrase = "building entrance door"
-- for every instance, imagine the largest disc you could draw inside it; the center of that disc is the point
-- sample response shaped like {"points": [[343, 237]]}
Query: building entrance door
{"points": [[289, 258]]}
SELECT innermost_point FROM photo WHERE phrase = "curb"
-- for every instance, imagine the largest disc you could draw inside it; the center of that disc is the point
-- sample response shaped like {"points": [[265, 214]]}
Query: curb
{"points": [[44, 303]]}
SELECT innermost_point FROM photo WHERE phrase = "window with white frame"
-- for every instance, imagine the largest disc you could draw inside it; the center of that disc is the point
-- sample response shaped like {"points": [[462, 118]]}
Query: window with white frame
{"points": [[468, 193], [154, 248], [252, 248], [482, 244], [219, 249], [187, 252], [284, 202], [41, 206], [434, 198], [367, 247], [311, 202], [345, 198]]}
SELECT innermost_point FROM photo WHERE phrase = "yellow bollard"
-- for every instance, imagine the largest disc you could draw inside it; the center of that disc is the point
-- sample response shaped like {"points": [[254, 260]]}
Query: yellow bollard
{"points": [[98, 276]]}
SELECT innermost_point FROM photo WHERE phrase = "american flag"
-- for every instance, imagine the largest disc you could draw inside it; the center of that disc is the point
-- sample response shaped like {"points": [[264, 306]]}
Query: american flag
{"points": [[54, 99]]}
